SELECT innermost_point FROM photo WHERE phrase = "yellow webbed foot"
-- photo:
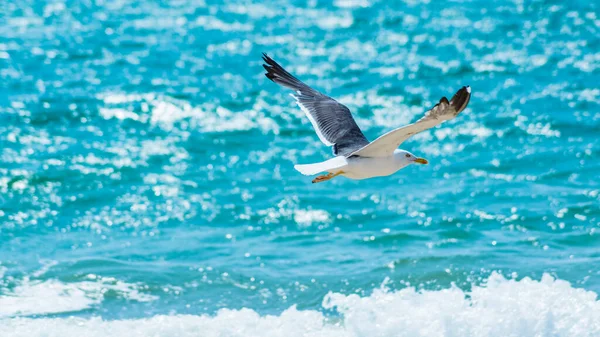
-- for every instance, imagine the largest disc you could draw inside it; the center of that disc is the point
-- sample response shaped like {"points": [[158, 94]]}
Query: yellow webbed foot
{"points": [[326, 177]]}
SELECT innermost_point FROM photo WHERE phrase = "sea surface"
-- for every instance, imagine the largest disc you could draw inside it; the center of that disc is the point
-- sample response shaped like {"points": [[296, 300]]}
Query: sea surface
{"points": [[147, 185]]}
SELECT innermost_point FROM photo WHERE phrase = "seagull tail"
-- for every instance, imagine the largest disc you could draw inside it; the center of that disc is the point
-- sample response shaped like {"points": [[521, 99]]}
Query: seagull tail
{"points": [[328, 165]]}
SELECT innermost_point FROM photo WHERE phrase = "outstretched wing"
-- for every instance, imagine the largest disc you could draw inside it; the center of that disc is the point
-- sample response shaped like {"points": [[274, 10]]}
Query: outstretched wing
{"points": [[385, 145], [331, 120]]}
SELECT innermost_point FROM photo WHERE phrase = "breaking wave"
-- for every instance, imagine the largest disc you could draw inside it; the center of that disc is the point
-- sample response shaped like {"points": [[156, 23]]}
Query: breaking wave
{"points": [[499, 307]]}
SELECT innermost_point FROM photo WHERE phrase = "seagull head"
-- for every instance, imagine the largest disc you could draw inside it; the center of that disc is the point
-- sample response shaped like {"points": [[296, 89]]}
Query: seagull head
{"points": [[408, 158]]}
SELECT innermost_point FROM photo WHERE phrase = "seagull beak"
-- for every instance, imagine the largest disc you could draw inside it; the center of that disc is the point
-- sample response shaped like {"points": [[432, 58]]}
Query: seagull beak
{"points": [[421, 161]]}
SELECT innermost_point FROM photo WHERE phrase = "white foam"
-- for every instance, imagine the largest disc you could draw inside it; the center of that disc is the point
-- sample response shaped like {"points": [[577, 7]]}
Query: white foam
{"points": [[306, 218], [164, 112], [500, 308], [332, 22], [351, 3], [212, 23], [52, 296], [118, 114]]}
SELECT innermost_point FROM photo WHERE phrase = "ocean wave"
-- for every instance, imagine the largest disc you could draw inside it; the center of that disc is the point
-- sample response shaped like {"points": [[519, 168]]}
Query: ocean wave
{"points": [[37, 297], [499, 307]]}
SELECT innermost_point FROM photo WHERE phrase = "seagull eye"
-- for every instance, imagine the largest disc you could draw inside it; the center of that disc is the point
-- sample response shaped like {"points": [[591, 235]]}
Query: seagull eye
{"points": [[407, 155]]}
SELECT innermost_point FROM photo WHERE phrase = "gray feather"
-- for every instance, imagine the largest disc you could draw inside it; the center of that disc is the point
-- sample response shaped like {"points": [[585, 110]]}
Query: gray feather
{"points": [[332, 120]]}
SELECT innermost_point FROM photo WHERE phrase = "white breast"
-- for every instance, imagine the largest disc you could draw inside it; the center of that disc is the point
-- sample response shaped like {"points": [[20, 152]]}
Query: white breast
{"points": [[363, 168]]}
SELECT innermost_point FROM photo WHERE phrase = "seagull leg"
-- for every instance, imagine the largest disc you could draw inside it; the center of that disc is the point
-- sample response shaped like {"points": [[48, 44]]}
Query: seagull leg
{"points": [[326, 177]]}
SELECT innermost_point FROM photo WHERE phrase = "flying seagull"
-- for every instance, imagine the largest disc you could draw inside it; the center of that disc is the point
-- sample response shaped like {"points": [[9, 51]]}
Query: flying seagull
{"points": [[356, 157]]}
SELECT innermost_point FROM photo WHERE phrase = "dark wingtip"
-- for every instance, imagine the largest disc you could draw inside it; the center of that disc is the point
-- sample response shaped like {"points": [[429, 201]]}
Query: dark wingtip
{"points": [[461, 99], [268, 60], [268, 67], [269, 72], [265, 57], [277, 74]]}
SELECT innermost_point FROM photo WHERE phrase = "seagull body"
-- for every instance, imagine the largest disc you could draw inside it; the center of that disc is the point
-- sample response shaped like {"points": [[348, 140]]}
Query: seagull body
{"points": [[356, 157], [358, 167]]}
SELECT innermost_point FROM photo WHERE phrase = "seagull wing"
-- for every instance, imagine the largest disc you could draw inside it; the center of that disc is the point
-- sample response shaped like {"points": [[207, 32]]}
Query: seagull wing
{"points": [[385, 145], [331, 120]]}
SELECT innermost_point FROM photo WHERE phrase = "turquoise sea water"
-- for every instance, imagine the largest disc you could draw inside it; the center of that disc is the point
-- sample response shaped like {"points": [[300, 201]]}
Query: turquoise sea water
{"points": [[147, 183]]}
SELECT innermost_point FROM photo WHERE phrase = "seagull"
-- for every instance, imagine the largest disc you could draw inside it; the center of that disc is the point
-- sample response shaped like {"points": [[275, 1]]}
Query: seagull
{"points": [[356, 157]]}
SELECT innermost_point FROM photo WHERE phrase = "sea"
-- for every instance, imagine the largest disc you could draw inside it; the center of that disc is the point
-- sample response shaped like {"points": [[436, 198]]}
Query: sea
{"points": [[147, 182]]}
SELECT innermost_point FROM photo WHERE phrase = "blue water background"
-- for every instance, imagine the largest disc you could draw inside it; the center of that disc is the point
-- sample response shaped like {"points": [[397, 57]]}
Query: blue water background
{"points": [[142, 145]]}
